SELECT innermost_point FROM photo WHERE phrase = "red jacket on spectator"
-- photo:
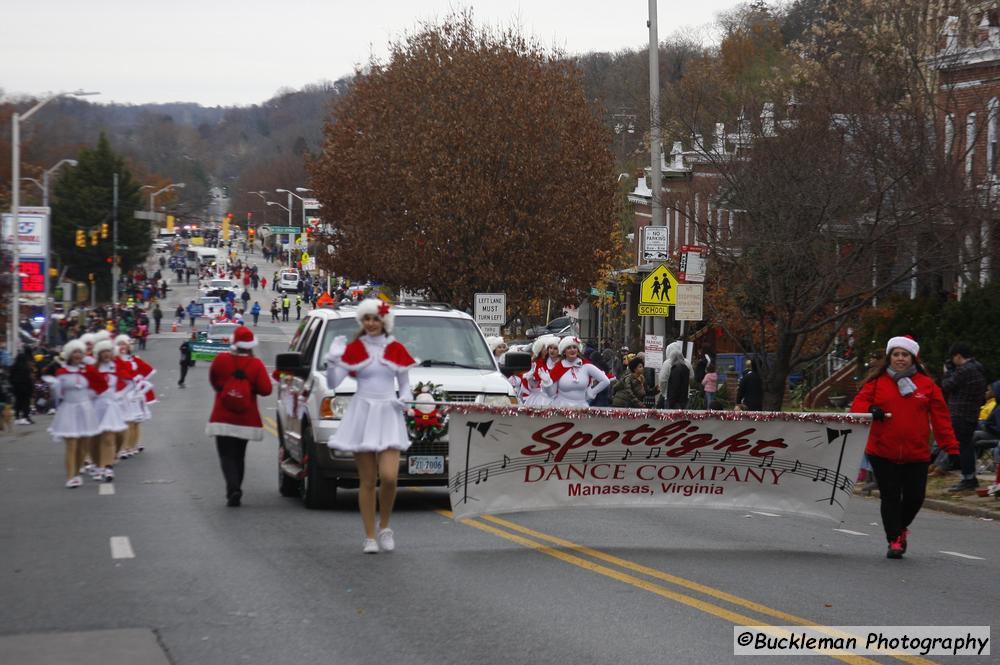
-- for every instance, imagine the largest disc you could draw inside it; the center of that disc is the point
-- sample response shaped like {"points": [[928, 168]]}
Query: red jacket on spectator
{"points": [[904, 437]]}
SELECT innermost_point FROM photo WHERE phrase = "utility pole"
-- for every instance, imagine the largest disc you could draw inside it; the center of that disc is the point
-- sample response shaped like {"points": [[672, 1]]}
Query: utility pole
{"points": [[115, 270], [655, 173], [14, 314]]}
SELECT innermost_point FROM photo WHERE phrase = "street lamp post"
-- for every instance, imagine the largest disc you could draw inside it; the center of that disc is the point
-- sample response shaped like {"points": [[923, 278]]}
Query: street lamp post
{"points": [[15, 203], [288, 210]]}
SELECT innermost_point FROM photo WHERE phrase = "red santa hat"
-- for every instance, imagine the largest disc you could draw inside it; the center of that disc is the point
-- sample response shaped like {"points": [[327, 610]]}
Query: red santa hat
{"points": [[567, 342], [243, 339], [904, 342], [377, 308]]}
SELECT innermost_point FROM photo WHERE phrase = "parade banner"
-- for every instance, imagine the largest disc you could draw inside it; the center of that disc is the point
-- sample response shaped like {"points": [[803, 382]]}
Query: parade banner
{"points": [[509, 459]]}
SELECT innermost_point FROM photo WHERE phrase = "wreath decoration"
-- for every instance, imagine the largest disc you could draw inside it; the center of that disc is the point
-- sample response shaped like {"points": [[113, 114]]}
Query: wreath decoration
{"points": [[426, 420]]}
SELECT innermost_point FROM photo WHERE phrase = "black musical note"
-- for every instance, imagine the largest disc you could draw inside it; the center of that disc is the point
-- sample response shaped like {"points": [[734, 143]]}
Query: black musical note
{"points": [[506, 461], [628, 453], [728, 454], [798, 465], [483, 475], [591, 456], [548, 457], [652, 450], [818, 474], [844, 483], [767, 461], [697, 454]]}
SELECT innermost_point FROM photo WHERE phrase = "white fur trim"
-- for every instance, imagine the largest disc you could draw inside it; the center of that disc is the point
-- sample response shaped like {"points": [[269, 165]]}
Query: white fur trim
{"points": [[567, 342], [123, 339], [238, 431], [71, 346], [87, 338], [102, 335], [104, 344], [244, 345], [904, 343], [371, 306]]}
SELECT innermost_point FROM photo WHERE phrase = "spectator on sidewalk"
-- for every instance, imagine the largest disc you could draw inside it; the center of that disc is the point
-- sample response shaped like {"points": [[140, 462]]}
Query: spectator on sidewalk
{"points": [[157, 317], [255, 312], [964, 385]]}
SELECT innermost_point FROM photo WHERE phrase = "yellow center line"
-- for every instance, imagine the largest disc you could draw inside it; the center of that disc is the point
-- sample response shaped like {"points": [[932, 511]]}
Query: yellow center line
{"points": [[651, 587], [658, 574]]}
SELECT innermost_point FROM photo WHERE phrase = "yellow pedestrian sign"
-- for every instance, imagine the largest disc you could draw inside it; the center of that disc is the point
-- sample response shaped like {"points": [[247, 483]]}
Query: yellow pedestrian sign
{"points": [[658, 292]]}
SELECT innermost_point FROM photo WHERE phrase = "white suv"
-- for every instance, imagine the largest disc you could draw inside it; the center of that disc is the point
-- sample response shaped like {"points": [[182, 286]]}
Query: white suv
{"points": [[289, 280], [450, 351]]}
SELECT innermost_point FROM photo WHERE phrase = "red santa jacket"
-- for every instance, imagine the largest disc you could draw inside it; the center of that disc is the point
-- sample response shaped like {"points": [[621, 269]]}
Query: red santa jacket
{"points": [[95, 380], [134, 368], [904, 437], [224, 422]]}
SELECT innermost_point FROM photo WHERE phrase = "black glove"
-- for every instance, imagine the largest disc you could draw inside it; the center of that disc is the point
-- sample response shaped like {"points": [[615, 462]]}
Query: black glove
{"points": [[877, 413]]}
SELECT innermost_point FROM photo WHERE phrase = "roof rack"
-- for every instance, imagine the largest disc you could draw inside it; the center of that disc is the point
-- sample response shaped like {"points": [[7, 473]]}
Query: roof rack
{"points": [[423, 304]]}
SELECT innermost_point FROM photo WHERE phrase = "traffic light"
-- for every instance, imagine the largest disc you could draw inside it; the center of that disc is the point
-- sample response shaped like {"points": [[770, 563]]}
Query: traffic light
{"points": [[108, 260], [251, 232], [94, 238], [81, 240], [104, 231]]}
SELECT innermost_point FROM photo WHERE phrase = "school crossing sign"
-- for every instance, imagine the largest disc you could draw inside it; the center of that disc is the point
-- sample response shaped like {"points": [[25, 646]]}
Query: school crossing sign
{"points": [[658, 292]]}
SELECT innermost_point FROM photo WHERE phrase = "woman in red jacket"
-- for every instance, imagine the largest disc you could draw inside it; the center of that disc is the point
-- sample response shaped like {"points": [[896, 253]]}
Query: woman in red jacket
{"points": [[238, 379], [905, 405]]}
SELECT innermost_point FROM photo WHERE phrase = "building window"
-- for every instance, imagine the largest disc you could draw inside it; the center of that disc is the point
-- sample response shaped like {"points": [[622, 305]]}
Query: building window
{"points": [[949, 134], [970, 142], [991, 136]]}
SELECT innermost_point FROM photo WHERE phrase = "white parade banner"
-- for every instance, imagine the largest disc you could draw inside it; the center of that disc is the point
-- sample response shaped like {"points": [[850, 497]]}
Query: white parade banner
{"points": [[511, 459]]}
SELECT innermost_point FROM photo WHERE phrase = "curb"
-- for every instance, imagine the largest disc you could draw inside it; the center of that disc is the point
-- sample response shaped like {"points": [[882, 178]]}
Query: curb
{"points": [[958, 509]]}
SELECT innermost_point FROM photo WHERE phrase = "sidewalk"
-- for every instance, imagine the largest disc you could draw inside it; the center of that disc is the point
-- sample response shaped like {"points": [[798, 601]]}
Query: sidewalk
{"points": [[965, 503]]}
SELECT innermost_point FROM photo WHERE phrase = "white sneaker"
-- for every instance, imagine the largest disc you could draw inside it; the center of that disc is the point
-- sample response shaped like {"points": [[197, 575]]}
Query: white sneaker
{"points": [[88, 468], [370, 546], [75, 481], [97, 475], [385, 540], [109, 474], [22, 421]]}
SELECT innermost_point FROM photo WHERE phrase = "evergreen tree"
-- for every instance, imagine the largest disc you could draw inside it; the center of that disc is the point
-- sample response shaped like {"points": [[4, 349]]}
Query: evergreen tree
{"points": [[83, 200]]}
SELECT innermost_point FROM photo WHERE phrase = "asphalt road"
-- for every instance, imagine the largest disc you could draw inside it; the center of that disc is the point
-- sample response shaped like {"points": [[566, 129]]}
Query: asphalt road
{"points": [[272, 582]]}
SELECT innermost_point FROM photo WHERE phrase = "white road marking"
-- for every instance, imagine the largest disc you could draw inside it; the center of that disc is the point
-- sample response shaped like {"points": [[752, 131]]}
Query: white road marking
{"points": [[121, 548], [106, 488], [851, 533], [964, 556], [755, 512]]}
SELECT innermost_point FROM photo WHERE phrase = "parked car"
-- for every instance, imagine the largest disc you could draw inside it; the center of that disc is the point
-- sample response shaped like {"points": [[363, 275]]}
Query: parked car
{"points": [[563, 326], [450, 351]]}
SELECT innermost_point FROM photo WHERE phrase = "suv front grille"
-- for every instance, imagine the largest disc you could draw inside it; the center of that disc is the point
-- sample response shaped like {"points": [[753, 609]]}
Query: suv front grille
{"points": [[432, 448], [463, 397]]}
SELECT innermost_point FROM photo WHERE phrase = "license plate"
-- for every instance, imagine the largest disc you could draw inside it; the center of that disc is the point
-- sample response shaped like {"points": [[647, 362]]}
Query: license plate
{"points": [[425, 464]]}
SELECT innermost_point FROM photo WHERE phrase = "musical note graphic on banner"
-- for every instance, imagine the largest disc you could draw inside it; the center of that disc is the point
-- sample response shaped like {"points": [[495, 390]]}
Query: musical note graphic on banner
{"points": [[591, 456], [628, 453], [656, 450]]}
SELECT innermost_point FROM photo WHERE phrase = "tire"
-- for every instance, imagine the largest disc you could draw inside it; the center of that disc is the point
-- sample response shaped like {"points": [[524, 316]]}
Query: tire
{"points": [[317, 492]]}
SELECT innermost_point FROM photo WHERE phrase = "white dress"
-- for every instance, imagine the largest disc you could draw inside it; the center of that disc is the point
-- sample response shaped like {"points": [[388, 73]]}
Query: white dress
{"points": [[110, 405], [75, 416], [134, 405], [374, 418], [537, 382], [578, 385]]}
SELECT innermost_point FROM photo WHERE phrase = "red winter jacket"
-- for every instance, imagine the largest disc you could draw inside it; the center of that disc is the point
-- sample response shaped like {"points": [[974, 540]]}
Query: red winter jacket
{"points": [[905, 436], [223, 422]]}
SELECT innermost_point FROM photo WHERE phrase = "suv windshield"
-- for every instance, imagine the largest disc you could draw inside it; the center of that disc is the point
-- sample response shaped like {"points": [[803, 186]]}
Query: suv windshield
{"points": [[435, 340]]}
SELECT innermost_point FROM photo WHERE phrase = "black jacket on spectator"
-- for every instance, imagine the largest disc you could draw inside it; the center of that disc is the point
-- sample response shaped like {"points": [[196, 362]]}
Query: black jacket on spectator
{"points": [[964, 388]]}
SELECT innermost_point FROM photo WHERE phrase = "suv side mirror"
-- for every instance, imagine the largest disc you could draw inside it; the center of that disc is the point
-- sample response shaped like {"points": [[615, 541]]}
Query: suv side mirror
{"points": [[514, 362], [291, 363]]}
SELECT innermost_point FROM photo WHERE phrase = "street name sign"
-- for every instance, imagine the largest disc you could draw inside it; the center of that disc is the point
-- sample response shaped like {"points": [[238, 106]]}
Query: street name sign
{"points": [[658, 291], [285, 229]]}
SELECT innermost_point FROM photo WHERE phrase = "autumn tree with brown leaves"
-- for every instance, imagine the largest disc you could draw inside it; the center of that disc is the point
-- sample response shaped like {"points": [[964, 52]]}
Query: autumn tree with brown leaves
{"points": [[470, 161]]}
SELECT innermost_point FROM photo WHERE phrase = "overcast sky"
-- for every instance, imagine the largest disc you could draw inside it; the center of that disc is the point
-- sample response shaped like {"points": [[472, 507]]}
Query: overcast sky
{"points": [[242, 51]]}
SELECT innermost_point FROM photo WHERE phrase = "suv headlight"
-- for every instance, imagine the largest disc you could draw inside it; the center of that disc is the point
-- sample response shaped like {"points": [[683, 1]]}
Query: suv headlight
{"points": [[499, 400], [333, 408]]}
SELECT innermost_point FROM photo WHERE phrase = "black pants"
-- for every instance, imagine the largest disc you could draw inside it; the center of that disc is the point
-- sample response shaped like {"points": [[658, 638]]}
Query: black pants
{"points": [[184, 373], [964, 431], [284, 313], [901, 487], [22, 402], [232, 455]]}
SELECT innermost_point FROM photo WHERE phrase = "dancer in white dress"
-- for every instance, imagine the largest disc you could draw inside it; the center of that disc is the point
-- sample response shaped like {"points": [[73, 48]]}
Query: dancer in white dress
{"points": [[75, 386], [574, 383], [373, 427], [136, 373], [545, 355], [110, 407]]}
